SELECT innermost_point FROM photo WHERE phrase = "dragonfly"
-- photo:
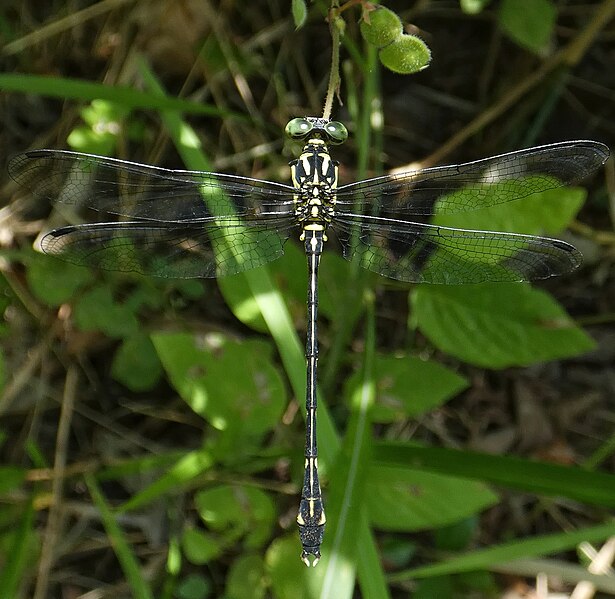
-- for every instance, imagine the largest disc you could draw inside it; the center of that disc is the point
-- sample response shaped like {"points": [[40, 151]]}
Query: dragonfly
{"points": [[178, 223]]}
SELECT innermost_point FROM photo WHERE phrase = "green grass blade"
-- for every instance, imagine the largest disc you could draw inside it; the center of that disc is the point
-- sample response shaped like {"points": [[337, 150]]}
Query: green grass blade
{"points": [[487, 558], [17, 562], [346, 501], [178, 476], [130, 566], [596, 488], [66, 88]]}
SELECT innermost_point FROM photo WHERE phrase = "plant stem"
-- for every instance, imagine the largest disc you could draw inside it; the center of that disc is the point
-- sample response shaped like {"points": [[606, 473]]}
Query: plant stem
{"points": [[334, 73]]}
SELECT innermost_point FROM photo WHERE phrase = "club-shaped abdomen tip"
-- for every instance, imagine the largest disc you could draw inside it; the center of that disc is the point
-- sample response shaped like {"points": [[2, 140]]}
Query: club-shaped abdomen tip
{"points": [[305, 557]]}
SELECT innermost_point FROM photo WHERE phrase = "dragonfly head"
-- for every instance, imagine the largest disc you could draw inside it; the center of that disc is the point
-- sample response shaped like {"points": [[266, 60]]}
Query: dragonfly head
{"points": [[310, 127]]}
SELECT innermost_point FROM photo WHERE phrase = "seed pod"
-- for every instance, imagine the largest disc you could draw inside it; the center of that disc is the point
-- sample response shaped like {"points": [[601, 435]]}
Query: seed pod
{"points": [[381, 27], [408, 54]]}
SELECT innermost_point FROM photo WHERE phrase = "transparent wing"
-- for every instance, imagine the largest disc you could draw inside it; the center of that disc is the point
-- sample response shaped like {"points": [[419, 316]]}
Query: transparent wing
{"points": [[207, 249], [145, 192], [473, 185], [156, 221], [423, 253]]}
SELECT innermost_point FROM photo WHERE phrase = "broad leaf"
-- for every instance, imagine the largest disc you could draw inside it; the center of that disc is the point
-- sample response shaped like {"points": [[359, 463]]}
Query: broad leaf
{"points": [[55, 282], [497, 326], [232, 384], [136, 364], [285, 569], [246, 578], [403, 499], [97, 310], [529, 23], [547, 212], [409, 386], [237, 511]]}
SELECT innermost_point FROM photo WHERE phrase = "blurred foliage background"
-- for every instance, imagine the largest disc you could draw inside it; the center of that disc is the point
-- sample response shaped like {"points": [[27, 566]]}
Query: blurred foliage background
{"points": [[151, 437]]}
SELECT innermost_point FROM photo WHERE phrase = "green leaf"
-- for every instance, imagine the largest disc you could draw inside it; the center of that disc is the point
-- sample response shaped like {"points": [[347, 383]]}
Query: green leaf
{"points": [[232, 384], [497, 326], [55, 282], [96, 310], [299, 13], [530, 23], [242, 303], [200, 547], [136, 364], [407, 387], [246, 578], [237, 511], [104, 121], [194, 586], [404, 499], [547, 212], [286, 571]]}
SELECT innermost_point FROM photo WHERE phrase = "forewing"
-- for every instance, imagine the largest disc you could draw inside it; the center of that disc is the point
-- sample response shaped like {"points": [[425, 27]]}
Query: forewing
{"points": [[473, 185], [423, 253], [138, 191]]}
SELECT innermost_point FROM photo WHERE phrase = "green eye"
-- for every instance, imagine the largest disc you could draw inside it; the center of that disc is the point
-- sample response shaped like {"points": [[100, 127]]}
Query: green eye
{"points": [[298, 128], [336, 132]]}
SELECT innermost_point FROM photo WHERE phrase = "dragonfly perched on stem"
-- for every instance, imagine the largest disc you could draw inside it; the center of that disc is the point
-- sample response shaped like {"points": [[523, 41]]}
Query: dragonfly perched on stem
{"points": [[174, 223]]}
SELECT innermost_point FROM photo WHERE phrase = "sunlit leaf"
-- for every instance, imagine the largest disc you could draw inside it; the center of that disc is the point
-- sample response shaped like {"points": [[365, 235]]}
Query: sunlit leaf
{"points": [[199, 547], [237, 511], [232, 384], [409, 386], [548, 212], [497, 325], [403, 499]]}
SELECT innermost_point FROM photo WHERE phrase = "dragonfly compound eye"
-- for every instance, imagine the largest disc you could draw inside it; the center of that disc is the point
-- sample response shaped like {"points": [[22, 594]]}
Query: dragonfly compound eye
{"points": [[299, 128], [336, 132]]}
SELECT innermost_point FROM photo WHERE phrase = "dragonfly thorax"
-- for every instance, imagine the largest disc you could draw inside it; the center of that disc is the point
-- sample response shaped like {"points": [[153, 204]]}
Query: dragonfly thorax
{"points": [[314, 175]]}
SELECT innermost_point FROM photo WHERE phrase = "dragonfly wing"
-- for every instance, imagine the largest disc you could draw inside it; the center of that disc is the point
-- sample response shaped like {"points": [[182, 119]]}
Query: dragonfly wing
{"points": [[423, 253], [211, 248], [149, 193], [474, 185]]}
